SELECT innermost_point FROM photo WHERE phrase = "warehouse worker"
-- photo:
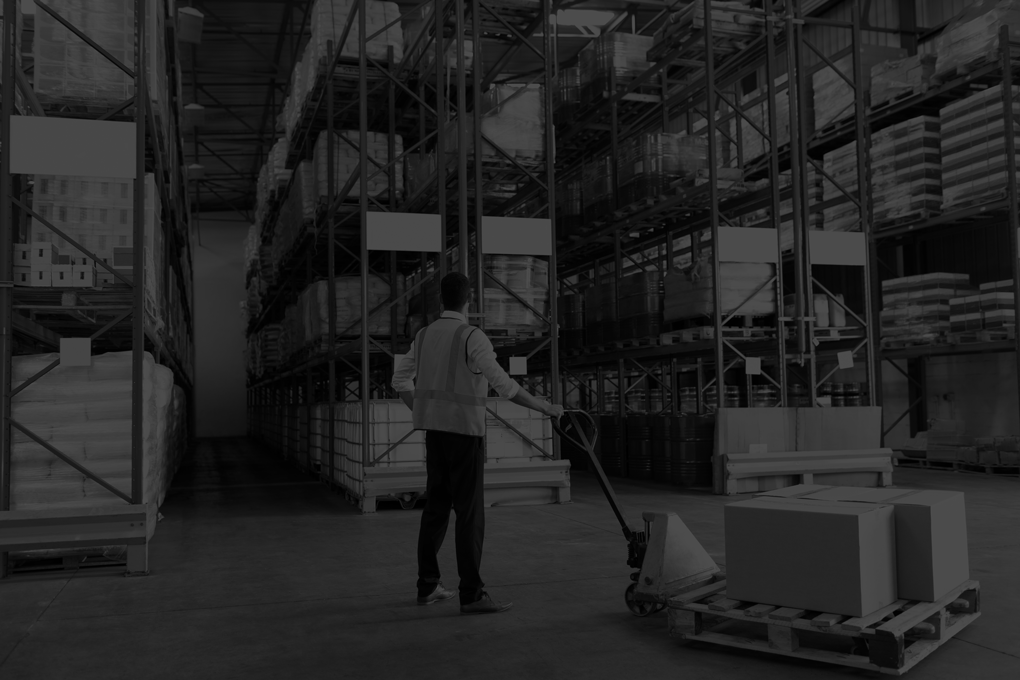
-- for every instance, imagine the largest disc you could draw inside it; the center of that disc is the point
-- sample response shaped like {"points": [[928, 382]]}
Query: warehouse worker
{"points": [[454, 364]]}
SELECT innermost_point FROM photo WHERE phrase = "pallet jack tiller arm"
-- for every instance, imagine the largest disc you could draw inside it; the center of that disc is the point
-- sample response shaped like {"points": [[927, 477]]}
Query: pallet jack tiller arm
{"points": [[637, 541]]}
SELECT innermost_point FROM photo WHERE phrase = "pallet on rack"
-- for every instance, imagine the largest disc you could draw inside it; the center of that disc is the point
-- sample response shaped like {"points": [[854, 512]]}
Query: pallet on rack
{"points": [[890, 641], [992, 196], [982, 336], [838, 333], [906, 343], [703, 333], [909, 218], [879, 107], [958, 466], [632, 343]]}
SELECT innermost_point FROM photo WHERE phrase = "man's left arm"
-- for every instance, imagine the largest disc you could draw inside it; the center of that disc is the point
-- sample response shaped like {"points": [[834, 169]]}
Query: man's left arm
{"points": [[403, 378]]}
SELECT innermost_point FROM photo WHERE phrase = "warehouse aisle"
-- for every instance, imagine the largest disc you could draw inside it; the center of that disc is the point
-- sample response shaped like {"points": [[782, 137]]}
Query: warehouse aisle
{"points": [[257, 572]]}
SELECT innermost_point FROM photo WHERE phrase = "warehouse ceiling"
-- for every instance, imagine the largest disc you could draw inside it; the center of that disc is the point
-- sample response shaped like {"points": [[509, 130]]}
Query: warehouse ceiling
{"points": [[240, 71]]}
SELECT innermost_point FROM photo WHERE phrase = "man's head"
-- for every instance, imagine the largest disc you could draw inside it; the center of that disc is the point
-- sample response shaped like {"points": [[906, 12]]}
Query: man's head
{"points": [[455, 290]]}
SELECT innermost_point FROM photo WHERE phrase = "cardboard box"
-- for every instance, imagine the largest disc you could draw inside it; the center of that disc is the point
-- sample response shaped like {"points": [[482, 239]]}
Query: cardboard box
{"points": [[22, 275], [816, 555], [61, 276], [83, 276], [43, 253], [42, 278], [22, 255], [931, 533]]}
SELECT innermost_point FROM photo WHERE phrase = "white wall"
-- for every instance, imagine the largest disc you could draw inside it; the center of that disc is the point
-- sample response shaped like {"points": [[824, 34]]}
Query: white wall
{"points": [[220, 379]]}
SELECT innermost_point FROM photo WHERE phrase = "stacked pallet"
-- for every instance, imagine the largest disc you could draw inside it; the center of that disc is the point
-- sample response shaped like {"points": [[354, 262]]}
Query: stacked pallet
{"points": [[690, 293], [651, 163], [347, 158], [974, 147], [973, 37], [735, 21], [640, 305], [526, 276], [841, 212], [898, 77], [513, 119], [754, 131], [834, 96], [906, 171], [915, 309], [85, 412], [991, 308], [620, 57]]}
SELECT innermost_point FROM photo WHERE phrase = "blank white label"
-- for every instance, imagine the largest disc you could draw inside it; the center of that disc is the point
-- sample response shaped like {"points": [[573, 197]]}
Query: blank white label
{"points": [[43, 145], [748, 244], [846, 248], [516, 236], [406, 232], [75, 351], [752, 365], [518, 365]]}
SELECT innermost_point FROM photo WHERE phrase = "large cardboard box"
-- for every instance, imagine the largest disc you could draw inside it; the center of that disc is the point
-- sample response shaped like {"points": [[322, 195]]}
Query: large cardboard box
{"points": [[931, 533], [821, 556]]}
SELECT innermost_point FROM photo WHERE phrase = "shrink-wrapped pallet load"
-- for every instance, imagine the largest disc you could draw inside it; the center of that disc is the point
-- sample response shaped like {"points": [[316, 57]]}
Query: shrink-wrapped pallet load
{"points": [[86, 413], [973, 144], [734, 22], [690, 294], [348, 308], [906, 171], [69, 71], [423, 50], [347, 157], [640, 305], [834, 97], [597, 189], [755, 130], [621, 57], [513, 118], [568, 95], [898, 77], [916, 309], [329, 18], [972, 37], [651, 163]]}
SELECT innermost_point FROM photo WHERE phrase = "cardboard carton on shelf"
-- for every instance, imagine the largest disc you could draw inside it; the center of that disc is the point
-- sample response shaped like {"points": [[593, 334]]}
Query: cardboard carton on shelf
{"points": [[931, 533], [61, 276], [43, 253], [822, 556], [22, 255], [42, 278], [83, 276], [22, 275]]}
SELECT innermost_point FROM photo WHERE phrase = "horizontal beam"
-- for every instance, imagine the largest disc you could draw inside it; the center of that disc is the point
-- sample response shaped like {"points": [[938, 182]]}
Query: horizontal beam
{"points": [[28, 327]]}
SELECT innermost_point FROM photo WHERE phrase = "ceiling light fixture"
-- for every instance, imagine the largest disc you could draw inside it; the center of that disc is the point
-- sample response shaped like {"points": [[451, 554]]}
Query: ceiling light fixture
{"points": [[189, 25]]}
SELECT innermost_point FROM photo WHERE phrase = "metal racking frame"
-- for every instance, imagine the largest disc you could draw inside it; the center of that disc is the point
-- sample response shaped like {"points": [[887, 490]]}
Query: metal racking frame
{"points": [[117, 525], [404, 99], [997, 211], [711, 77]]}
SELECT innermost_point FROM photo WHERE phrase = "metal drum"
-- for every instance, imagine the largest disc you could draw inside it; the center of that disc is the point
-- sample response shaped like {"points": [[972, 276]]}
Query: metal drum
{"points": [[853, 395], [691, 451], [764, 396], [662, 454], [838, 395], [612, 436], [639, 447]]}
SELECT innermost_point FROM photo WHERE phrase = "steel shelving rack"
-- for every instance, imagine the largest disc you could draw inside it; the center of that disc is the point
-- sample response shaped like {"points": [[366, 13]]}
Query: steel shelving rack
{"points": [[416, 102], [114, 319], [999, 212], [701, 75]]}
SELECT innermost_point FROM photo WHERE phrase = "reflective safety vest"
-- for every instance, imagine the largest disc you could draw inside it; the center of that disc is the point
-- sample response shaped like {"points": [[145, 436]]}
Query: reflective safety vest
{"points": [[448, 396]]}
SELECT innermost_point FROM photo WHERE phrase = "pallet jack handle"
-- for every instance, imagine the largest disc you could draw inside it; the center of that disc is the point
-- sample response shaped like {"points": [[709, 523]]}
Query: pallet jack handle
{"points": [[575, 418]]}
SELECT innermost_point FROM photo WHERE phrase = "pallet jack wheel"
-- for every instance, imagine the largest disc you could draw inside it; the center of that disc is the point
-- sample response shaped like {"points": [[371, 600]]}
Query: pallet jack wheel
{"points": [[408, 500], [640, 607]]}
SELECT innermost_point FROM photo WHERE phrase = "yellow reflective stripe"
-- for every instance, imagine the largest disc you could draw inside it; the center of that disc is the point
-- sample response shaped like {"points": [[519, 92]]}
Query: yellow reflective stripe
{"points": [[442, 395], [451, 366]]}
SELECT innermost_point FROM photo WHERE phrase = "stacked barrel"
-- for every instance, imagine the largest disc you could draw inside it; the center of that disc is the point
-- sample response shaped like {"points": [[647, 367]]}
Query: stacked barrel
{"points": [[691, 452], [639, 447], [612, 434]]}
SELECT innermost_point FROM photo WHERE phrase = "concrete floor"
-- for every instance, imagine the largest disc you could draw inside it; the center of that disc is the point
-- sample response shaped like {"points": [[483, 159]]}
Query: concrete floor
{"points": [[259, 573]]}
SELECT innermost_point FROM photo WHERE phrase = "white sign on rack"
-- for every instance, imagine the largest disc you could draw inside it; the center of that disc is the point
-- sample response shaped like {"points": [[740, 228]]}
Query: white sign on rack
{"points": [[407, 232], [846, 248], [516, 236], [45, 145], [748, 244]]}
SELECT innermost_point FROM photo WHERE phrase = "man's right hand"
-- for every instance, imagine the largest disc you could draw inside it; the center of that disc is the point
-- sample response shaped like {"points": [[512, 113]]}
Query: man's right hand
{"points": [[554, 411]]}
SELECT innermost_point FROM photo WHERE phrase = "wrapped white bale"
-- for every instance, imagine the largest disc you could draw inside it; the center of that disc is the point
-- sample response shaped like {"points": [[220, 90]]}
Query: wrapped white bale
{"points": [[513, 119], [690, 293], [95, 431]]}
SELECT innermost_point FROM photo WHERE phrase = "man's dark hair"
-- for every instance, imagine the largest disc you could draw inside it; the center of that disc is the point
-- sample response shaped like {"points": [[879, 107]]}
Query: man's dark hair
{"points": [[455, 290]]}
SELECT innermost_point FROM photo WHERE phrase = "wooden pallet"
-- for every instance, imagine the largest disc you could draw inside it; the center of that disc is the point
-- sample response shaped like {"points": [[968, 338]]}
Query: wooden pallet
{"points": [[988, 335], [896, 99], [910, 218], [959, 466], [904, 344], [891, 641], [982, 199], [704, 333], [632, 343]]}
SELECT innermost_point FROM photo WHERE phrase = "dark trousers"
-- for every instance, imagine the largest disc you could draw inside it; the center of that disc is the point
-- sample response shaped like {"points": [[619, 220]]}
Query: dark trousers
{"points": [[455, 464]]}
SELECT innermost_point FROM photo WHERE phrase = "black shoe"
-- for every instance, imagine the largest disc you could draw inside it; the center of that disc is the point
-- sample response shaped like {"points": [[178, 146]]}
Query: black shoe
{"points": [[484, 605]]}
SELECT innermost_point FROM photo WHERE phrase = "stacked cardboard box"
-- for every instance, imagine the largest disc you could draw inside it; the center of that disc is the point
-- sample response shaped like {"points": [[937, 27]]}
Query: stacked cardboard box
{"points": [[991, 308], [906, 170], [513, 118], [974, 35], [897, 77], [98, 213], [755, 105], [841, 212], [690, 293], [624, 55], [734, 19], [916, 308], [929, 534], [834, 96], [974, 146], [347, 158]]}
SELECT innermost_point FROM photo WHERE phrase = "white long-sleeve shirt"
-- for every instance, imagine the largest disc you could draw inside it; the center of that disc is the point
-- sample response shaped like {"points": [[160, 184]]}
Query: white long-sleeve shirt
{"points": [[481, 359]]}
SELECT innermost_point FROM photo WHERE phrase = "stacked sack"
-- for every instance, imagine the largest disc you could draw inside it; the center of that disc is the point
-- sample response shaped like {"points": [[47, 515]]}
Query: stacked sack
{"points": [[346, 158], [513, 118], [312, 309], [906, 170], [973, 133], [974, 35], [85, 412]]}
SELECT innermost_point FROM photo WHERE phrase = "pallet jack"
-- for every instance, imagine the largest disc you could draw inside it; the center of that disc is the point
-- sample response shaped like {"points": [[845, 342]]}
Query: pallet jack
{"points": [[668, 558]]}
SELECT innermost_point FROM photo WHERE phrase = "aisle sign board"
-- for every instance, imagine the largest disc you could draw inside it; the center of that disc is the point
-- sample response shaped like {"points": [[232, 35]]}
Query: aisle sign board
{"points": [[46, 145], [516, 236], [406, 232]]}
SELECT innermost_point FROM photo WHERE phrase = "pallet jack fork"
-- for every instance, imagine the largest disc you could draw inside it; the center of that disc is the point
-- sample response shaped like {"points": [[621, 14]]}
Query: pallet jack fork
{"points": [[668, 558]]}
